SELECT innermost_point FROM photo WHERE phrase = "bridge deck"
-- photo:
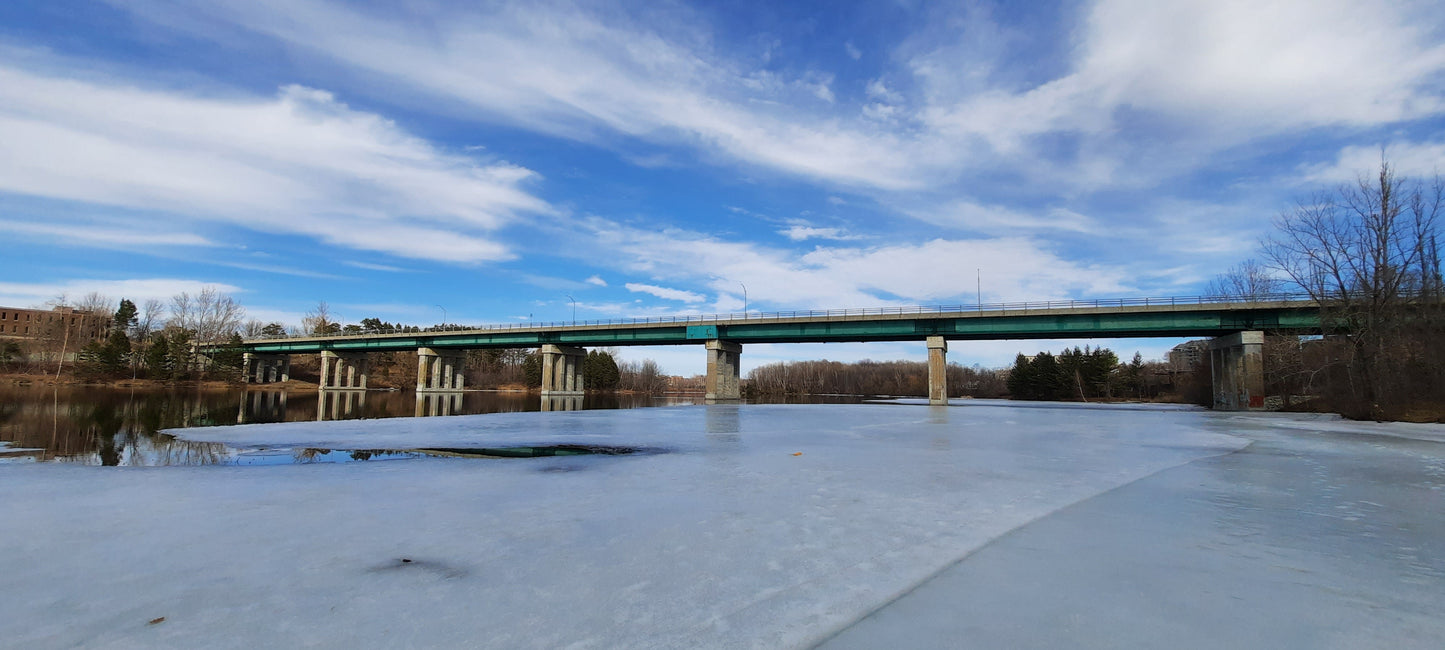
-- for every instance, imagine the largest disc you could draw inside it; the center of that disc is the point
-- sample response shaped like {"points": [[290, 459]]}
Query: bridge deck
{"points": [[1094, 320]]}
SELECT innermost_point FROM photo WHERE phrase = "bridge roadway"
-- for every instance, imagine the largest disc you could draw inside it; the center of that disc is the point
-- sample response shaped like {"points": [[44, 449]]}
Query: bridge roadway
{"points": [[1236, 325]]}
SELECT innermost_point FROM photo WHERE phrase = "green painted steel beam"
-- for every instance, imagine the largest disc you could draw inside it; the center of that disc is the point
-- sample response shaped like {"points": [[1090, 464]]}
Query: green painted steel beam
{"points": [[1113, 323]]}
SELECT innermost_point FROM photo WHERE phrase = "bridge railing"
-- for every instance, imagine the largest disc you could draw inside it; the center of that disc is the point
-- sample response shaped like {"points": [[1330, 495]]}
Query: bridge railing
{"points": [[751, 316]]}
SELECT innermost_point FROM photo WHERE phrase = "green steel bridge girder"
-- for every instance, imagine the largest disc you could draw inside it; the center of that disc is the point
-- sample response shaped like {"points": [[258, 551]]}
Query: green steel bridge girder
{"points": [[1058, 324]]}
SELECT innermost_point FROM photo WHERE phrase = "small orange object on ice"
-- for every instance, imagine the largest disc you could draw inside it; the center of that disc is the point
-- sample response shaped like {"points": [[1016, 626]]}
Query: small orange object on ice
{"points": [[797, 453]]}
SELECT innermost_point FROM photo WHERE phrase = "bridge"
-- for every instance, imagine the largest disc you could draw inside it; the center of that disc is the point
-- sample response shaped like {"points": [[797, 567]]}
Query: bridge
{"points": [[1236, 326]]}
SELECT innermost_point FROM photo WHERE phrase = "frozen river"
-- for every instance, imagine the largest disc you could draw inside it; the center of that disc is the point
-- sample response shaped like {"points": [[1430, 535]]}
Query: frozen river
{"points": [[874, 525]]}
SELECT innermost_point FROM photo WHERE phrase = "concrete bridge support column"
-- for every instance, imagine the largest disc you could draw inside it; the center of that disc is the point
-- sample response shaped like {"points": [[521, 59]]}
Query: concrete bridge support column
{"points": [[265, 368], [343, 371], [722, 382], [440, 370], [937, 371], [1237, 364], [562, 370]]}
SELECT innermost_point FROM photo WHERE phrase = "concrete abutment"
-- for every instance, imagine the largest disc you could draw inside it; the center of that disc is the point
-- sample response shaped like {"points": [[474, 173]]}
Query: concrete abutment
{"points": [[1236, 362]]}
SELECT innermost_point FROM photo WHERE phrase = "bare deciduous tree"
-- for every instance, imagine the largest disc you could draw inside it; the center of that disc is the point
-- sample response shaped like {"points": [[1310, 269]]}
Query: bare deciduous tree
{"points": [[253, 329], [319, 320], [1250, 280], [211, 315], [96, 303], [1366, 251]]}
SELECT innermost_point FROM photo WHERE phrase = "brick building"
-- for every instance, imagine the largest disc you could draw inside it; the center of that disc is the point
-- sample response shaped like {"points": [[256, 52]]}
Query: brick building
{"points": [[61, 324]]}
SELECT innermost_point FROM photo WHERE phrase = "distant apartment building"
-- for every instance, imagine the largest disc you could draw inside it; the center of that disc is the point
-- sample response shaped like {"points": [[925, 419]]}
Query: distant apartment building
{"points": [[61, 326], [1188, 354]]}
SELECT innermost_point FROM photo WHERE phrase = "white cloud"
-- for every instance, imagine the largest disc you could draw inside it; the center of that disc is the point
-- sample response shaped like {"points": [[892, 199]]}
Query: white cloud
{"points": [[1416, 159], [876, 89], [1148, 90], [995, 219], [852, 51], [574, 73], [300, 162], [596, 281], [18, 294], [1231, 69], [799, 232], [665, 292], [102, 236], [940, 270], [1276, 64], [385, 268]]}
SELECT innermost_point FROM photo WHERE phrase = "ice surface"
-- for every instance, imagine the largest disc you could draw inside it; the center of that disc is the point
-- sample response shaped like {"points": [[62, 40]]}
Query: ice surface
{"points": [[761, 526], [1312, 537]]}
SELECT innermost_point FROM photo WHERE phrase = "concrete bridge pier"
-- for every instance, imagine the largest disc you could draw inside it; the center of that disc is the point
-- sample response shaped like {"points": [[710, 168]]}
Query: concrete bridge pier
{"points": [[343, 370], [1236, 362], [937, 371], [723, 358], [265, 368], [440, 370], [562, 370]]}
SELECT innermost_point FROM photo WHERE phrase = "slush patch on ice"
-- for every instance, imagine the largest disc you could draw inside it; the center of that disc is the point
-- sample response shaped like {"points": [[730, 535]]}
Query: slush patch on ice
{"points": [[422, 566]]}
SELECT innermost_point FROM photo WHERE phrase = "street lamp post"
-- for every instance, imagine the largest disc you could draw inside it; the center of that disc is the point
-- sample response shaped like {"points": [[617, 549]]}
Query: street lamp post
{"points": [[444, 316], [745, 299], [574, 309]]}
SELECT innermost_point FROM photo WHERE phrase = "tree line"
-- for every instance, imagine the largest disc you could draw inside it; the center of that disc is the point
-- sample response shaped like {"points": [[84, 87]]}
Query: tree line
{"points": [[869, 378], [1076, 374], [158, 340], [1367, 253]]}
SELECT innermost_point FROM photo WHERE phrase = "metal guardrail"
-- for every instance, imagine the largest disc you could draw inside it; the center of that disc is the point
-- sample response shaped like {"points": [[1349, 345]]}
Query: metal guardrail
{"points": [[749, 317]]}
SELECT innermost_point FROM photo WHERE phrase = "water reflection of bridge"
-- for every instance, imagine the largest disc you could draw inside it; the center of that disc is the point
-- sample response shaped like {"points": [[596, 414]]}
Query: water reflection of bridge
{"points": [[258, 406]]}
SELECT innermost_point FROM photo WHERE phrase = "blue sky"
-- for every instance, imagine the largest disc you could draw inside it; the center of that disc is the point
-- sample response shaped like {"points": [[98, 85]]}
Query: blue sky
{"points": [[489, 160]]}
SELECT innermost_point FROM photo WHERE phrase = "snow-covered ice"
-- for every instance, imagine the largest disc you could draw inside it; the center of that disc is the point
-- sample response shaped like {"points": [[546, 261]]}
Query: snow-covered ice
{"points": [[755, 525]]}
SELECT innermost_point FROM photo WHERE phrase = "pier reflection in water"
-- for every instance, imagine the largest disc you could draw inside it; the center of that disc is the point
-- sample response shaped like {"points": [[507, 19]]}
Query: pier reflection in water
{"points": [[110, 426]]}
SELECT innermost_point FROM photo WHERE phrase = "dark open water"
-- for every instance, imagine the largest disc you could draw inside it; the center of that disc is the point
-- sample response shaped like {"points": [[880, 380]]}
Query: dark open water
{"points": [[114, 426]]}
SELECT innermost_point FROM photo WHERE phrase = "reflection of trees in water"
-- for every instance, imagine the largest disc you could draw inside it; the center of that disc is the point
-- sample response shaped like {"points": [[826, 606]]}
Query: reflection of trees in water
{"points": [[108, 427], [309, 455]]}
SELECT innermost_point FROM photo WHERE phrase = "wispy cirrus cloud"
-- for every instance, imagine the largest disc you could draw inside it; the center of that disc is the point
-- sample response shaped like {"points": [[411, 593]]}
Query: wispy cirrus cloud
{"points": [[103, 236], [138, 290], [1220, 68], [951, 131], [592, 75], [665, 293]]}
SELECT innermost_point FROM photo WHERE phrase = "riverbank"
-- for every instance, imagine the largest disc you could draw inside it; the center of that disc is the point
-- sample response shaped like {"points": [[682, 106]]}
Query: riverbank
{"points": [[49, 379]]}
